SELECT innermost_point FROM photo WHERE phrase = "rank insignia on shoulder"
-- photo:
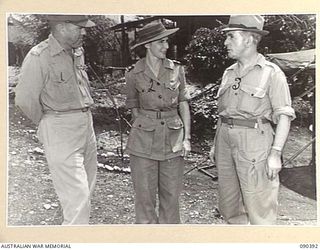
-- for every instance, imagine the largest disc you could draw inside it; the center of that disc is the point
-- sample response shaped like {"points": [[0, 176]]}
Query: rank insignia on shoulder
{"points": [[177, 62], [129, 68]]}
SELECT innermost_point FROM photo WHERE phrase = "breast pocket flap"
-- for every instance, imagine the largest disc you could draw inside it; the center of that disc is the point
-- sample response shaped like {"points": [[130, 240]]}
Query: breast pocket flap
{"points": [[253, 91]]}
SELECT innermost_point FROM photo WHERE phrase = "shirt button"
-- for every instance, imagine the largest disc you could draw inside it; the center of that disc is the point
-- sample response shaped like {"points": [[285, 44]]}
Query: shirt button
{"points": [[162, 123], [254, 160], [139, 125], [160, 96]]}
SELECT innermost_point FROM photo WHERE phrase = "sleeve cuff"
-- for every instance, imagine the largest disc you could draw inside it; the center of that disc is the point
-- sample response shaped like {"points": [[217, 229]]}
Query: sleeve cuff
{"points": [[184, 95], [288, 111]]}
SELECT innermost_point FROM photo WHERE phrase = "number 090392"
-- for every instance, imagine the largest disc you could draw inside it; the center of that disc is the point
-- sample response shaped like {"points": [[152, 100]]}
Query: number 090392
{"points": [[309, 246]]}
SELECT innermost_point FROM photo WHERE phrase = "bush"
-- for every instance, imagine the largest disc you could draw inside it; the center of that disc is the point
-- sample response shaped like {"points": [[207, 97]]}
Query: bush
{"points": [[206, 57], [99, 40], [206, 61], [204, 112], [288, 33], [303, 110]]}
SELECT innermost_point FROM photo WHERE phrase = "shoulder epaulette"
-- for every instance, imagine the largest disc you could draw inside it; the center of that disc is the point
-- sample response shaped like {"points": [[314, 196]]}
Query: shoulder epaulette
{"points": [[273, 65], [177, 62], [129, 68], [37, 50]]}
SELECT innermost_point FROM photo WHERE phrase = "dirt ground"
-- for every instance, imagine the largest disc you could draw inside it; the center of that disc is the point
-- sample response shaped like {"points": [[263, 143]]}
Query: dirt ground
{"points": [[32, 200]]}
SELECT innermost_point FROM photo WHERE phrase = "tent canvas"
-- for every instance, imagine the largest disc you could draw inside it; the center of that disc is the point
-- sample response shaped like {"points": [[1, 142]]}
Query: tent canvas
{"points": [[294, 60]]}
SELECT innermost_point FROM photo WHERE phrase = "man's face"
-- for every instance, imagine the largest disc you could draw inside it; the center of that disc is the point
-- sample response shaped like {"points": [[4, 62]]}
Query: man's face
{"points": [[158, 48], [235, 44], [73, 35]]}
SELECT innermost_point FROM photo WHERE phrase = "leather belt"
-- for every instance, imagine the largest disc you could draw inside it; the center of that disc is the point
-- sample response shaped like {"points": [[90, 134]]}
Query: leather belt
{"points": [[242, 122], [86, 109], [158, 114]]}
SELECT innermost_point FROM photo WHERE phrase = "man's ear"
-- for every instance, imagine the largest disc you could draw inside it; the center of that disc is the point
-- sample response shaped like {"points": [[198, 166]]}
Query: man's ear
{"points": [[249, 41], [147, 45]]}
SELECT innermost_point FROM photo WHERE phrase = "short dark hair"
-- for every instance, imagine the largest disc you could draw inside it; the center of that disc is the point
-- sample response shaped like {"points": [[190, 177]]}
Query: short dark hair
{"points": [[140, 51]]}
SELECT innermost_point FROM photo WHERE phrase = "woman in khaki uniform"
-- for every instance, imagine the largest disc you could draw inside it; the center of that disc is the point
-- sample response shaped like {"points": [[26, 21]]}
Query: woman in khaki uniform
{"points": [[160, 134]]}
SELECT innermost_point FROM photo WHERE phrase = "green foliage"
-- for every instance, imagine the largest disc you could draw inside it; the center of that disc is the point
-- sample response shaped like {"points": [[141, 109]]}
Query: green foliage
{"points": [[303, 110], [288, 33], [206, 61], [206, 57], [99, 40], [204, 112], [33, 26]]}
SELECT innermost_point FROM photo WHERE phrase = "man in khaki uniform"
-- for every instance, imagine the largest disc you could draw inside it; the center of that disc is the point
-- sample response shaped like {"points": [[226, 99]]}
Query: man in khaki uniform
{"points": [[53, 91], [247, 152], [160, 134]]}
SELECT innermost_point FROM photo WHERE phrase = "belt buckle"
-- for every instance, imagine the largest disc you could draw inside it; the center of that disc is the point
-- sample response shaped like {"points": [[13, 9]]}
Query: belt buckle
{"points": [[158, 114], [230, 122]]}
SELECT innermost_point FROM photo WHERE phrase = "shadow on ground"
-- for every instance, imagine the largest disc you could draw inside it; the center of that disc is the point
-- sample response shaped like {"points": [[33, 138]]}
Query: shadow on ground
{"points": [[301, 180]]}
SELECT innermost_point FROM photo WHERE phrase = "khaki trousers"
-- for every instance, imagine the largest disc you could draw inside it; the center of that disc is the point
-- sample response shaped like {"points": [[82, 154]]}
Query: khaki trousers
{"points": [[70, 148], [246, 194], [150, 176]]}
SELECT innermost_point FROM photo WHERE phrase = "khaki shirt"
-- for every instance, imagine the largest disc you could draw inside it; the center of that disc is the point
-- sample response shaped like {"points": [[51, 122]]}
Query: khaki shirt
{"points": [[157, 139], [262, 92], [146, 91], [52, 80]]}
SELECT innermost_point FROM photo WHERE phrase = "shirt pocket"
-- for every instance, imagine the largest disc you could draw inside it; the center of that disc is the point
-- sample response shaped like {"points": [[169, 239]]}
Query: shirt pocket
{"points": [[251, 98], [175, 133], [146, 92], [144, 86], [60, 85], [142, 135], [172, 91]]}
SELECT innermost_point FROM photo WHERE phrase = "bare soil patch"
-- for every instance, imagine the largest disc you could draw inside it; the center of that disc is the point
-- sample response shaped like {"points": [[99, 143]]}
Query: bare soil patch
{"points": [[32, 200]]}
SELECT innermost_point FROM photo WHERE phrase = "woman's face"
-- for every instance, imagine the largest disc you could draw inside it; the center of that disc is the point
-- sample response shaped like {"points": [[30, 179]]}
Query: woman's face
{"points": [[158, 48]]}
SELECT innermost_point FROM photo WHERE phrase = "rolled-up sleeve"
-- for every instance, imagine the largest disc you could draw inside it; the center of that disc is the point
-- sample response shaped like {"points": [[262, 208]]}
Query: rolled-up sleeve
{"points": [[28, 90], [280, 96], [184, 94], [132, 100]]}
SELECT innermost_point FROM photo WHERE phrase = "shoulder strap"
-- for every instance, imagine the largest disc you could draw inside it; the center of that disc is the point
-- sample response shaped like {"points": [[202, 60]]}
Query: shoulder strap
{"points": [[264, 80], [265, 76]]}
